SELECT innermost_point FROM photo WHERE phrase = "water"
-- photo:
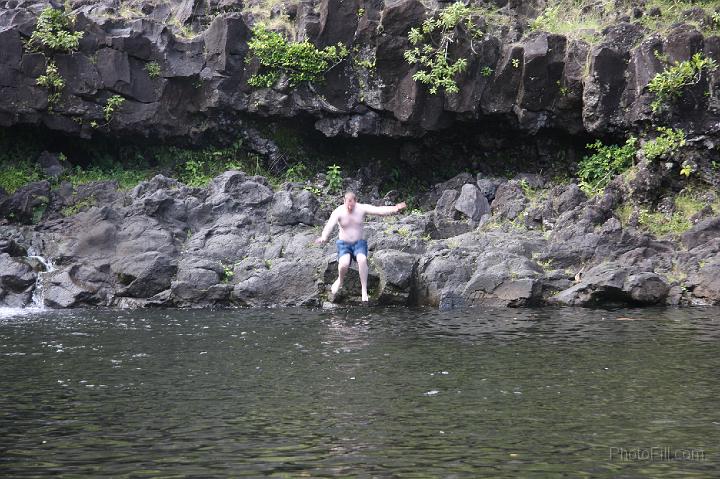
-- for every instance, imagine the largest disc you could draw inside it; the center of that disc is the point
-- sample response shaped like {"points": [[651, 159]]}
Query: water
{"points": [[362, 393], [38, 297]]}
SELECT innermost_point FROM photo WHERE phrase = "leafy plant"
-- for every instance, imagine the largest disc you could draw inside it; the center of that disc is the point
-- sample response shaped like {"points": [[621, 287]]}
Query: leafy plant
{"points": [[79, 206], [596, 170], [301, 61], [666, 144], [687, 169], [126, 178], [486, 71], [227, 273], [297, 172], [572, 18], [334, 179], [53, 31], [668, 85], [53, 82], [153, 69], [515, 62], [431, 46], [17, 175], [111, 106]]}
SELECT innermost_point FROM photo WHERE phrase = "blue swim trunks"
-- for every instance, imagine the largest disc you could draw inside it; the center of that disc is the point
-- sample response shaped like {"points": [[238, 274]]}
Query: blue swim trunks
{"points": [[356, 248]]}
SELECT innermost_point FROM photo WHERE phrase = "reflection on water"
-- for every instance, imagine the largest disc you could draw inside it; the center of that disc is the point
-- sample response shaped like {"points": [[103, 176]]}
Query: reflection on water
{"points": [[374, 393]]}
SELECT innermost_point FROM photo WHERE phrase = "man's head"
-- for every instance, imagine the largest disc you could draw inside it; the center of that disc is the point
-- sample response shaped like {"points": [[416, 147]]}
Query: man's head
{"points": [[350, 201]]}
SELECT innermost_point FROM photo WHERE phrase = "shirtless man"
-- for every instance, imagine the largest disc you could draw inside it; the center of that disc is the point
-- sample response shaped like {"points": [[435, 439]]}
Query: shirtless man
{"points": [[351, 244]]}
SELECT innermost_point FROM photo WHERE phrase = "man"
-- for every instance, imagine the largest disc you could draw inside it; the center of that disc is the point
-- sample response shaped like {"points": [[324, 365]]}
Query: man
{"points": [[350, 243]]}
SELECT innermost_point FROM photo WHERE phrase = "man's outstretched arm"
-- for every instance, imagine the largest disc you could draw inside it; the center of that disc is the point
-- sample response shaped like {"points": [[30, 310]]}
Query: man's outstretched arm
{"points": [[328, 227], [382, 210]]}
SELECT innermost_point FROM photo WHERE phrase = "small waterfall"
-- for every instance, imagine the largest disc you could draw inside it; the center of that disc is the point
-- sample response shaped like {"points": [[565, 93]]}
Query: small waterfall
{"points": [[39, 292]]}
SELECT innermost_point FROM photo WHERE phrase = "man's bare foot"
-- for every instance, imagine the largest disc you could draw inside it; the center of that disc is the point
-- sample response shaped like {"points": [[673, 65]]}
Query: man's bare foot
{"points": [[336, 286]]}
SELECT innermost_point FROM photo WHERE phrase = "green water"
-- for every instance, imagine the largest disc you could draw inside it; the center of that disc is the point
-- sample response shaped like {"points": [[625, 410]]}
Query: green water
{"points": [[362, 393]]}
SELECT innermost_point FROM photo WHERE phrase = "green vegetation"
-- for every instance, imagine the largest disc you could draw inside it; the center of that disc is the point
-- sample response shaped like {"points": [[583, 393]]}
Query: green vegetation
{"points": [[674, 11], [273, 13], [300, 61], [685, 204], [182, 30], [16, 175], [54, 32], [53, 82], [39, 209], [334, 179], [486, 71], [79, 206], [297, 172], [111, 106], [227, 273], [153, 69], [664, 145], [596, 170], [576, 19], [669, 85], [126, 177], [431, 46]]}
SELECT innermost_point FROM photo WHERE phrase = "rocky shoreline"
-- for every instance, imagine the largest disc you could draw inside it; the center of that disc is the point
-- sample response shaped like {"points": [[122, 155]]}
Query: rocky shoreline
{"points": [[178, 73], [482, 241]]}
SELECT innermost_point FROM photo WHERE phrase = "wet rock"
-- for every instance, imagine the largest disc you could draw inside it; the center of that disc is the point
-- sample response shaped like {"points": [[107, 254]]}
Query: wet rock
{"points": [[612, 283], [502, 279], [17, 281], [290, 283], [10, 247], [144, 275], [81, 284], [705, 284], [396, 271]]}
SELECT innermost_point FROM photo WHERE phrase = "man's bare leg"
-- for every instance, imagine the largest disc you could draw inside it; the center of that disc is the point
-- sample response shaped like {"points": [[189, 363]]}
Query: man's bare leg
{"points": [[343, 266], [363, 268]]}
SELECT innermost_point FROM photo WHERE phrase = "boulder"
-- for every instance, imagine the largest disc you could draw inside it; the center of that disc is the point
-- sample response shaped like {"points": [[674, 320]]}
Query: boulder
{"points": [[509, 201], [472, 203], [612, 283], [27, 204], [17, 281], [396, 271], [705, 284], [701, 233], [292, 208]]}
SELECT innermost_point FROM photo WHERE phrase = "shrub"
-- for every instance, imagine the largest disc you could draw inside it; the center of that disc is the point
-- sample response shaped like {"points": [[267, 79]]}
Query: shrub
{"points": [[668, 85], [666, 144], [53, 82], [431, 44], [153, 69], [572, 18], [112, 104], [302, 62], [334, 179], [297, 172], [53, 31], [16, 175], [595, 171]]}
